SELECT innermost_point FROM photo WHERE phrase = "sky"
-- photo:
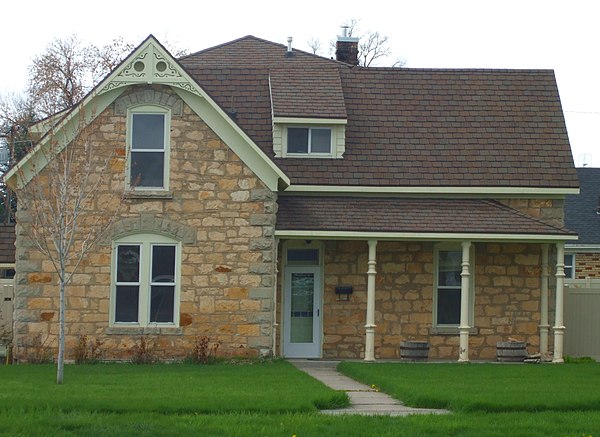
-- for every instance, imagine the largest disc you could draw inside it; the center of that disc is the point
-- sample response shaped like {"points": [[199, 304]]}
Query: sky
{"points": [[550, 34]]}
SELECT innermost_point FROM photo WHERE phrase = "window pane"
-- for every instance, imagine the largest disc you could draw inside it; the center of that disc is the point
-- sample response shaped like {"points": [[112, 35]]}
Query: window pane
{"points": [[297, 140], [163, 264], [127, 303], [320, 141], [303, 257], [448, 306], [162, 303], [128, 264], [449, 268], [147, 169], [148, 131]]}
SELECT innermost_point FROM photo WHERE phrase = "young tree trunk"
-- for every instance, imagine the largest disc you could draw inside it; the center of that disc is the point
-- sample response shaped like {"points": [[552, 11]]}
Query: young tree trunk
{"points": [[60, 364]]}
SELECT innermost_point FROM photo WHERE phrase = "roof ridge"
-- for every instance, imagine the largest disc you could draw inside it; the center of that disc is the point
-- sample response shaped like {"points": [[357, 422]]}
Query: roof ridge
{"points": [[266, 41]]}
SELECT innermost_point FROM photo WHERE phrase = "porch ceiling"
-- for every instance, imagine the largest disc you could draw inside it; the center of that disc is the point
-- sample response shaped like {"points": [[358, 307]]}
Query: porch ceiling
{"points": [[356, 215]]}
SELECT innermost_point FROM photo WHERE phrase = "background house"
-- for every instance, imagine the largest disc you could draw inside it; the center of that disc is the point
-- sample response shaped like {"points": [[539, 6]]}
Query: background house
{"points": [[283, 203], [582, 267]]}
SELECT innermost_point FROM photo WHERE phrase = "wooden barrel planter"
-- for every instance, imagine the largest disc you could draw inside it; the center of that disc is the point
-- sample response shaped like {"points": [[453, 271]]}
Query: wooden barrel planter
{"points": [[414, 350], [511, 351]]}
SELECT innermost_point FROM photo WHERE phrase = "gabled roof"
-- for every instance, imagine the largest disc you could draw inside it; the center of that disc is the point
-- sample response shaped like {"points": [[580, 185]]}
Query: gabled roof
{"points": [[149, 63], [405, 127], [581, 211], [360, 216]]}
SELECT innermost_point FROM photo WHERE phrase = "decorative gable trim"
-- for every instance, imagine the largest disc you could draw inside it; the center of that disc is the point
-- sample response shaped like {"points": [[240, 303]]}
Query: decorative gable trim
{"points": [[150, 63]]}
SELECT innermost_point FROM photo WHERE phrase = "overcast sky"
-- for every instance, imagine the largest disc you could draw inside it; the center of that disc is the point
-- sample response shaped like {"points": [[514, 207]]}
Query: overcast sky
{"points": [[559, 35]]}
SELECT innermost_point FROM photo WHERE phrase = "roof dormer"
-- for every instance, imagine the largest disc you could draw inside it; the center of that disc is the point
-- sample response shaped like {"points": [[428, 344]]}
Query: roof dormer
{"points": [[309, 112]]}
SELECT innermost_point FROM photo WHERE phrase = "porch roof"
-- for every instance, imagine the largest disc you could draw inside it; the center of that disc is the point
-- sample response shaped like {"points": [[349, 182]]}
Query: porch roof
{"points": [[337, 216]]}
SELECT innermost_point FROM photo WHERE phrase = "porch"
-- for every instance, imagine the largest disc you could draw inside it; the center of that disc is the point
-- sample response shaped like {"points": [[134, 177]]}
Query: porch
{"points": [[460, 292]]}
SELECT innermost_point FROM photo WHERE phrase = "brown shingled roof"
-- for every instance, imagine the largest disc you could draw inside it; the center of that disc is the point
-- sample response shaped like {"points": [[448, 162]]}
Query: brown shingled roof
{"points": [[406, 127], [7, 243], [385, 214]]}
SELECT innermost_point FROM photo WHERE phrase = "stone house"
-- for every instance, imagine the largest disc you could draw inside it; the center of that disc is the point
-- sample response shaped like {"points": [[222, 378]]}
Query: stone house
{"points": [[291, 205]]}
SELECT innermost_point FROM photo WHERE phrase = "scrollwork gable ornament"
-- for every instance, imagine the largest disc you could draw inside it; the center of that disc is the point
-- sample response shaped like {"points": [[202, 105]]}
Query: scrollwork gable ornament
{"points": [[150, 64]]}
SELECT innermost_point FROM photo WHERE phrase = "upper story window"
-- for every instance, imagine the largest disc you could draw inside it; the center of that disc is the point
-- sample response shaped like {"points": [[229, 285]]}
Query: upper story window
{"points": [[148, 148], [146, 284], [309, 140]]}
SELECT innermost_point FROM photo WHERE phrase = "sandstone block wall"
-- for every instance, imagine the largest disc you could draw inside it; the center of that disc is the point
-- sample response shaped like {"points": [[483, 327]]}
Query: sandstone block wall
{"points": [[224, 216], [507, 298]]}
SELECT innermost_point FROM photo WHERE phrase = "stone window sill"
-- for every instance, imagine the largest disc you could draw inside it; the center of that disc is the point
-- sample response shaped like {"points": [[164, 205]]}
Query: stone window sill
{"points": [[450, 330], [149, 194], [147, 330]]}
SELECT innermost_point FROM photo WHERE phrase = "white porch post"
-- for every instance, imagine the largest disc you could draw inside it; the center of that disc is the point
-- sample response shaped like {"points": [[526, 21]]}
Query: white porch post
{"points": [[370, 325], [465, 285], [559, 329], [544, 303]]}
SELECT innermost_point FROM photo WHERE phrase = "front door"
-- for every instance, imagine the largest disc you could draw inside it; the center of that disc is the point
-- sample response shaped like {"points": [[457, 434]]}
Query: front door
{"points": [[302, 312]]}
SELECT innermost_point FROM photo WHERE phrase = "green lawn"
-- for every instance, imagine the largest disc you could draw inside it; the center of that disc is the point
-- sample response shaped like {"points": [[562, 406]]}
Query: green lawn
{"points": [[274, 399]]}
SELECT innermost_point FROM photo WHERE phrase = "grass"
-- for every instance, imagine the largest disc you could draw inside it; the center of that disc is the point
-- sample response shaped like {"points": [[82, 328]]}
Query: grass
{"points": [[486, 387], [273, 387], [274, 399]]}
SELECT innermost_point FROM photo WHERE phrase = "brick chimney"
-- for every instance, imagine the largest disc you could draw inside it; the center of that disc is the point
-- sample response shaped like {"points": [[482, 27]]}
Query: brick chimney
{"points": [[346, 48]]}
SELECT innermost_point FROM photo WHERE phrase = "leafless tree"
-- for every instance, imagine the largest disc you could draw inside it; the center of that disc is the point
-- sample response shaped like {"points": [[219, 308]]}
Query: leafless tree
{"points": [[373, 47], [315, 46], [58, 213]]}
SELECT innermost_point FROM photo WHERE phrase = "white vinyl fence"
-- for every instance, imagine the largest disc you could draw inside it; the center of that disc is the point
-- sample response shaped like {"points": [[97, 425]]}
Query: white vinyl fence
{"points": [[582, 318]]}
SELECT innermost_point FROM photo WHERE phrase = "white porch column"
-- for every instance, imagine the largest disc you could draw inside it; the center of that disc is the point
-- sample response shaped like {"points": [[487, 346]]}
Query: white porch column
{"points": [[544, 303], [370, 325], [465, 285], [559, 329]]}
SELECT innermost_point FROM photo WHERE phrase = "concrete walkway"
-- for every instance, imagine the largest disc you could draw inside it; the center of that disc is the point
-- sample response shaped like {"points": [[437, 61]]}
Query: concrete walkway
{"points": [[363, 399]]}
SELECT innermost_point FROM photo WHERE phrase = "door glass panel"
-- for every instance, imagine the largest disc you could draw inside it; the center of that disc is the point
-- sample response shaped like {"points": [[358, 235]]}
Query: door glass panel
{"points": [[302, 304], [303, 257]]}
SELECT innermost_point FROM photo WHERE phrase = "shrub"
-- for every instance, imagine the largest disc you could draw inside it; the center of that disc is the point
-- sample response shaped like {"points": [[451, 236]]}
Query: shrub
{"points": [[88, 352], [143, 352], [204, 352], [38, 351]]}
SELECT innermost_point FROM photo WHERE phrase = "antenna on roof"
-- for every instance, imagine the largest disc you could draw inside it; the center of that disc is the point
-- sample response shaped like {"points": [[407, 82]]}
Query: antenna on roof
{"points": [[289, 47]]}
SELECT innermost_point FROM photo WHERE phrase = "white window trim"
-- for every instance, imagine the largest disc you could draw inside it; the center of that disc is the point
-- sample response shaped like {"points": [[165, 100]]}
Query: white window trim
{"points": [[149, 109], [146, 241], [310, 153], [338, 137], [572, 266], [444, 247]]}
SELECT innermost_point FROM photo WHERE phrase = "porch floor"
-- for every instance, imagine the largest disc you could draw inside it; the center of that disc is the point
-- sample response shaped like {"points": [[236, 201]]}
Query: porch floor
{"points": [[364, 400]]}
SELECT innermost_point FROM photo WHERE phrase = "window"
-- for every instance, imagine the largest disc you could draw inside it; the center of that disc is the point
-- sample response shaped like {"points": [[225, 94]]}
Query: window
{"points": [[148, 148], [309, 140], [570, 266], [146, 287], [448, 287]]}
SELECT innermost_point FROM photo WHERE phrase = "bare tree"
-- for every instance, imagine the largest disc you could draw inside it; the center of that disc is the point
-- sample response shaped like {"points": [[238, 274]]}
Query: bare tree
{"points": [[315, 46], [57, 206]]}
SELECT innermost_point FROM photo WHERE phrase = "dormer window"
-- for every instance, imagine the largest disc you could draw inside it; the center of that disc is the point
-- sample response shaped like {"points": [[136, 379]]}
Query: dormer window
{"points": [[309, 140]]}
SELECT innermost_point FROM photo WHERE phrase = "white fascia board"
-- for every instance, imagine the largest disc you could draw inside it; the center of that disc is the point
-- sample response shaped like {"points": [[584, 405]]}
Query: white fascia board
{"points": [[487, 191], [582, 248], [235, 138], [298, 120], [420, 236], [62, 134]]}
